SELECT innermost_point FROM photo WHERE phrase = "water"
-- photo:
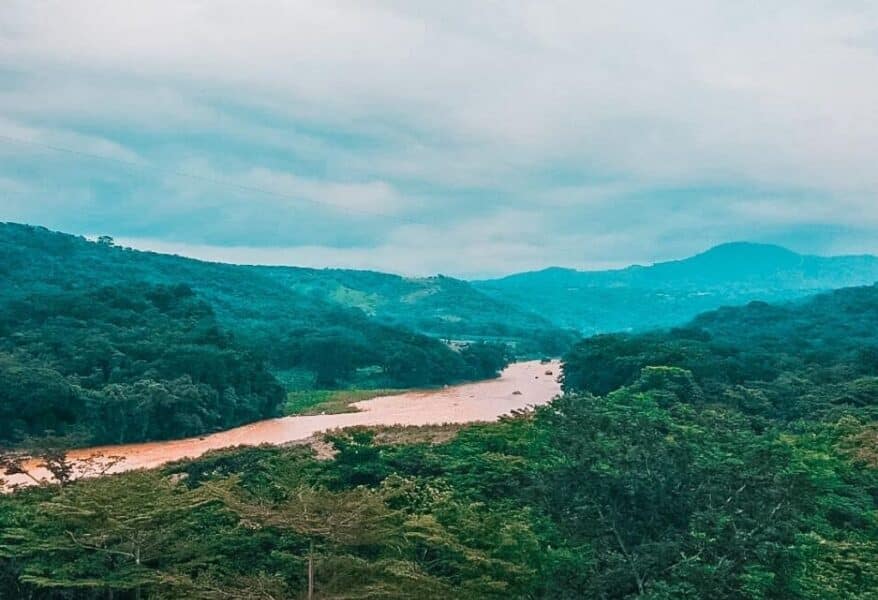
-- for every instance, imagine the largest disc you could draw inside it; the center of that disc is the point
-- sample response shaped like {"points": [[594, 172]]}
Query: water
{"points": [[521, 385]]}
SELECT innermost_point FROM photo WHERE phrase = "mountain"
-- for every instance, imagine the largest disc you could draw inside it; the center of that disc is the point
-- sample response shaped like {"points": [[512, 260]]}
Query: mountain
{"points": [[668, 293], [438, 306], [294, 316]]}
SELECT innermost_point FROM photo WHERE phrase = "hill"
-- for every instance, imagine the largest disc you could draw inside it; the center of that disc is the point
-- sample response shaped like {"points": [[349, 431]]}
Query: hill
{"points": [[123, 364], [802, 359], [438, 306], [102, 344], [664, 294], [259, 297]]}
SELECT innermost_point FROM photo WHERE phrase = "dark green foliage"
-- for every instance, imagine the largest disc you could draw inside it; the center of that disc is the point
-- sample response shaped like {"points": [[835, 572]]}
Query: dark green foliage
{"points": [[789, 361], [124, 364], [279, 311], [485, 360], [109, 345]]}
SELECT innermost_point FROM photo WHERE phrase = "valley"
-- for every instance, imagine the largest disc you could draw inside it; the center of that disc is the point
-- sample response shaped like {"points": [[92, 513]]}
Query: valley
{"points": [[714, 438]]}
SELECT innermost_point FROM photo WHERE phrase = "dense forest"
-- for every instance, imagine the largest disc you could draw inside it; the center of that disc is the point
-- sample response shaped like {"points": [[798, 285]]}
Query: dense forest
{"points": [[733, 458], [149, 362], [124, 364], [100, 344], [802, 360]]}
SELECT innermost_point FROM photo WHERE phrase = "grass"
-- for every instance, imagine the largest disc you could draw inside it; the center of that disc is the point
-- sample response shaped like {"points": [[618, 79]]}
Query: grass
{"points": [[408, 434], [390, 435], [330, 402]]}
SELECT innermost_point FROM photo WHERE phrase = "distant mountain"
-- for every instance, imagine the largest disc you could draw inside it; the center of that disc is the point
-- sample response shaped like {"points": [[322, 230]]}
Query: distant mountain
{"points": [[669, 293]]}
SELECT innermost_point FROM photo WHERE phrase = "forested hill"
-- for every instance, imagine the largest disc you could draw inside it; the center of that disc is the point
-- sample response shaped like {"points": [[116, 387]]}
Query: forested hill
{"points": [[669, 293], [259, 300], [802, 359], [103, 344], [438, 306], [358, 316], [121, 364]]}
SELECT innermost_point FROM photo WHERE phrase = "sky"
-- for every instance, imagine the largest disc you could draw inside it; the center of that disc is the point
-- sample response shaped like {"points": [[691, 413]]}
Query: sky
{"points": [[465, 138]]}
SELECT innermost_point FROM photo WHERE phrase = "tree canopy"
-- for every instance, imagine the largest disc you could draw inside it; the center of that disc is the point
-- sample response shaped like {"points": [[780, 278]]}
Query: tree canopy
{"points": [[682, 477]]}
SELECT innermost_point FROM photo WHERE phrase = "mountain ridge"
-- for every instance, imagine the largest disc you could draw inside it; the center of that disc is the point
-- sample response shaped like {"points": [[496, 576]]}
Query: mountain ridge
{"points": [[535, 310], [440, 307], [667, 293], [724, 248]]}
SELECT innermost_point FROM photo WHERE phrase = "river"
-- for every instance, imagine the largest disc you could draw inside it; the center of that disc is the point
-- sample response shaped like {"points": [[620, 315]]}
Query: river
{"points": [[521, 385]]}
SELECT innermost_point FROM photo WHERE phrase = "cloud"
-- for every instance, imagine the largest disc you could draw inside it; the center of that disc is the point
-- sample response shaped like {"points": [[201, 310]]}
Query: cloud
{"points": [[616, 127], [371, 198], [23, 139], [471, 248]]}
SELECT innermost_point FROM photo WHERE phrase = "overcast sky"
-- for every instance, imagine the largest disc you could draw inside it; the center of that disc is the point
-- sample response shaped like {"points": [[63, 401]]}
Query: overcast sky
{"points": [[467, 138]]}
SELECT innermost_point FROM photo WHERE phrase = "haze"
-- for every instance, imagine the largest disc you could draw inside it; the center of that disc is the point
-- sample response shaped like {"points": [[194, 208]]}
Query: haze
{"points": [[467, 140]]}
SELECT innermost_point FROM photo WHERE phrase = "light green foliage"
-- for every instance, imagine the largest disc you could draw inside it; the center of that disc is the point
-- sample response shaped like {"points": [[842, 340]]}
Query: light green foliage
{"points": [[438, 306], [316, 402]]}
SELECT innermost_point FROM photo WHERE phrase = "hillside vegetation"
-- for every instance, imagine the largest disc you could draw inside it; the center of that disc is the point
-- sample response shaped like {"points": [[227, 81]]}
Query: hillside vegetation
{"points": [[666, 294], [267, 305], [124, 364], [100, 344], [730, 459], [790, 361], [437, 306]]}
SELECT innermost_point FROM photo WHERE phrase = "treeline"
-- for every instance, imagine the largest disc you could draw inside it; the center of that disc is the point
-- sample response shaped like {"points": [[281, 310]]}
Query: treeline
{"points": [[681, 474], [124, 364], [382, 357]]}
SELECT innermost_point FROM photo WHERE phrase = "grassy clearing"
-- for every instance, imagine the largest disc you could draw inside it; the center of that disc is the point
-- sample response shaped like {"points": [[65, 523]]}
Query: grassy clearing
{"points": [[330, 402], [406, 434], [391, 435]]}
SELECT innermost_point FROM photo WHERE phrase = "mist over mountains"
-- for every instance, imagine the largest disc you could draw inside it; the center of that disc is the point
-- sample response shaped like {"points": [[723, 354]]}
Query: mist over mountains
{"points": [[669, 293]]}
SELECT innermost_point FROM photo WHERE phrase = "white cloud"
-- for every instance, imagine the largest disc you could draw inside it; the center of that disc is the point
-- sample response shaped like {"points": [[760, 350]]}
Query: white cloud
{"points": [[23, 139], [584, 114], [674, 91], [370, 198], [473, 246]]}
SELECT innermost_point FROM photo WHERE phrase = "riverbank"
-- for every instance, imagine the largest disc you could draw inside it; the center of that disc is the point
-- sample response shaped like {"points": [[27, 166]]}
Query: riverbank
{"points": [[521, 385]]}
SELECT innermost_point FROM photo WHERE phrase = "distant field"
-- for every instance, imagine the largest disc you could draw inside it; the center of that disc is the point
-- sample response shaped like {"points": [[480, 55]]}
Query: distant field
{"points": [[330, 402]]}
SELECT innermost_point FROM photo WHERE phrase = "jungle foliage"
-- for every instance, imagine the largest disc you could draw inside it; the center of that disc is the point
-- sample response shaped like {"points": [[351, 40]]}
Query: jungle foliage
{"points": [[732, 459], [100, 344]]}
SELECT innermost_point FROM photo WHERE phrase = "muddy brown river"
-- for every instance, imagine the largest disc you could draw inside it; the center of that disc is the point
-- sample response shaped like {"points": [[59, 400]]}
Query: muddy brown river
{"points": [[520, 386]]}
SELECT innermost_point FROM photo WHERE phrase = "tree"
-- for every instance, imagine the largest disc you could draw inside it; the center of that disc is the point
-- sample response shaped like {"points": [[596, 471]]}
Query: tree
{"points": [[108, 535], [356, 517]]}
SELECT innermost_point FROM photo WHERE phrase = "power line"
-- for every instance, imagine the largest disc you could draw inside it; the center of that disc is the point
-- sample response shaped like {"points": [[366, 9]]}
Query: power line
{"points": [[207, 179]]}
